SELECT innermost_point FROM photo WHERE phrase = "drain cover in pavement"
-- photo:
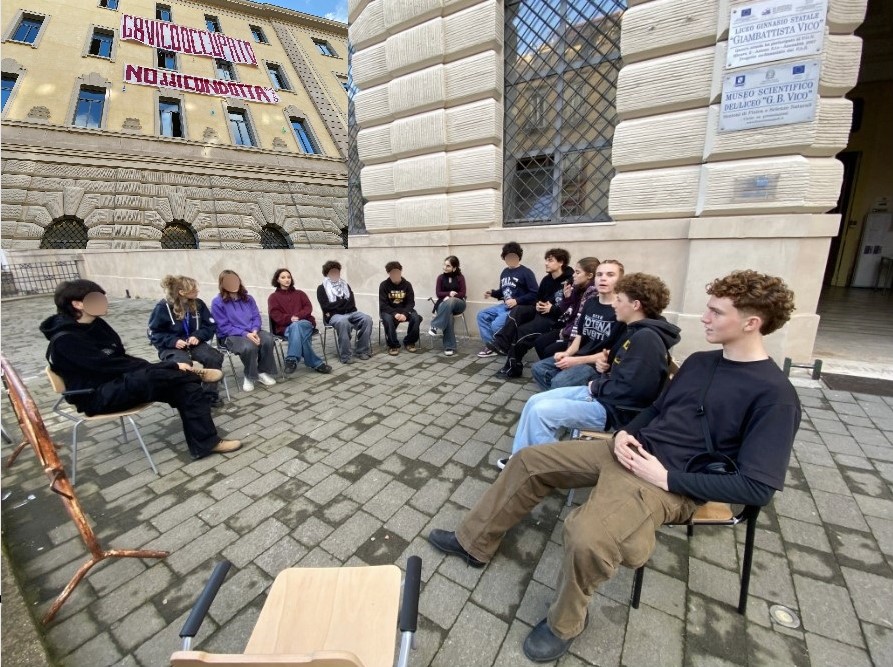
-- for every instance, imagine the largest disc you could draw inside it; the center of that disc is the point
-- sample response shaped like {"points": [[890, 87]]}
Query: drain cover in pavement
{"points": [[859, 385]]}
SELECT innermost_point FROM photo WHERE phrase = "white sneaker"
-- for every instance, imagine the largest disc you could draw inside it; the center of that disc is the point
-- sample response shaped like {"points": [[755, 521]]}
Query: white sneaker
{"points": [[247, 385], [432, 332], [502, 463], [449, 353], [266, 378]]}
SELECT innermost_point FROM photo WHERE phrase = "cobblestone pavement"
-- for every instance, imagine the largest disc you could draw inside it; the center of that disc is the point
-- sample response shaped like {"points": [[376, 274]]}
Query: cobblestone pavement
{"points": [[357, 466]]}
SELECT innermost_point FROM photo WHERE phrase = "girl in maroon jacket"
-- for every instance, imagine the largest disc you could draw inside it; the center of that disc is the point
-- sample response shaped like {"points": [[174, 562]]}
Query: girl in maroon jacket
{"points": [[450, 290], [291, 313]]}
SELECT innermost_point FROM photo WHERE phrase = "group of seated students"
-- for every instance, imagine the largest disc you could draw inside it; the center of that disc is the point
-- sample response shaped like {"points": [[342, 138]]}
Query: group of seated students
{"points": [[734, 401]]}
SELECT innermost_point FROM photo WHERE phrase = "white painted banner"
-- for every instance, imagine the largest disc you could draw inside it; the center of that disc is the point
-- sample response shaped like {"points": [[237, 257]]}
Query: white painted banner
{"points": [[761, 32], [183, 39], [159, 78], [780, 95]]}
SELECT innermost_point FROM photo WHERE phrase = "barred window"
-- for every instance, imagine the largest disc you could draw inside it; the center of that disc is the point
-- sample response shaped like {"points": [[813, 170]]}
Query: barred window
{"points": [[64, 233], [561, 63], [272, 238], [179, 235]]}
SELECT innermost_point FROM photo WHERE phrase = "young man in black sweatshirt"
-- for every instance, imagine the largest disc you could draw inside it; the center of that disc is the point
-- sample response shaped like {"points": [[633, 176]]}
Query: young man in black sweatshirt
{"points": [[396, 304], [89, 356], [526, 322], [738, 395]]}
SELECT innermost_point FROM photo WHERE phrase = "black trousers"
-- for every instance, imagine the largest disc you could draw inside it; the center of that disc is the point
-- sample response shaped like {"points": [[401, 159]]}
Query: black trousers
{"points": [[204, 354], [390, 329], [179, 389], [508, 334], [549, 343]]}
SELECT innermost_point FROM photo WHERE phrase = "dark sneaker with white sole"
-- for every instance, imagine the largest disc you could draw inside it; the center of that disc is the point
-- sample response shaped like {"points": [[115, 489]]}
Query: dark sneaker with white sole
{"points": [[445, 540]]}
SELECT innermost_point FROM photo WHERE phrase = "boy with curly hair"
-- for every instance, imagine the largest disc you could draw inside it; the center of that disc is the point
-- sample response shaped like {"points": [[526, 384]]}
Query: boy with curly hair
{"points": [[750, 411], [629, 376]]}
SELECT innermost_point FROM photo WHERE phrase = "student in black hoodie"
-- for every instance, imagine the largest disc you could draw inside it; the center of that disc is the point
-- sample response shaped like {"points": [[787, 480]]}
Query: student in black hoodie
{"points": [[89, 356], [339, 309], [526, 322], [396, 303], [630, 378]]}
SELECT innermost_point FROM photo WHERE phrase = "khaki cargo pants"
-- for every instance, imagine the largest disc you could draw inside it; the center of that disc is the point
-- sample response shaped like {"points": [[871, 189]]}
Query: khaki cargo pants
{"points": [[615, 526]]}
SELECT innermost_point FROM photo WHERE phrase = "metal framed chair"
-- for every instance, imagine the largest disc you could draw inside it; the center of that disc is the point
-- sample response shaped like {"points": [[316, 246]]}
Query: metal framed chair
{"points": [[211, 343], [397, 329], [347, 619], [58, 385], [337, 338], [227, 355], [716, 514], [280, 346], [455, 317]]}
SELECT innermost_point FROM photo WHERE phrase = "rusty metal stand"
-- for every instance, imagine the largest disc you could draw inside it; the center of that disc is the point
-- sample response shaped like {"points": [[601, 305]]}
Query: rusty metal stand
{"points": [[38, 437]]}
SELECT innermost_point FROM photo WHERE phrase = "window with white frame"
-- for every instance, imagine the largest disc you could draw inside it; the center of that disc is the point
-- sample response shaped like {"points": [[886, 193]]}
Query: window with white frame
{"points": [[324, 48], [170, 118], [304, 135], [240, 127], [101, 43], [89, 107], [28, 29]]}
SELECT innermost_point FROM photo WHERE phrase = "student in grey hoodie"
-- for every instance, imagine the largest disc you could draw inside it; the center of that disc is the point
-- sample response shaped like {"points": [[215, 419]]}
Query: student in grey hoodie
{"points": [[631, 374]]}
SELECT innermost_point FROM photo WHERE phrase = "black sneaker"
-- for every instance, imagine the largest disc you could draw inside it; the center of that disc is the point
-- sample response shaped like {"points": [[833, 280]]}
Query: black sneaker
{"points": [[215, 401], [323, 368], [291, 365], [543, 645], [445, 540]]}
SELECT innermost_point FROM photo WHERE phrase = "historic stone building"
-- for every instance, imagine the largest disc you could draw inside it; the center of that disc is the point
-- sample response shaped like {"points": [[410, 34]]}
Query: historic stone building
{"points": [[175, 124], [597, 126]]}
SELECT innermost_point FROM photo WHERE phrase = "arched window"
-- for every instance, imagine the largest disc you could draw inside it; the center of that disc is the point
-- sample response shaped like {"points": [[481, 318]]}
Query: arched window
{"points": [[179, 236], [272, 237], [64, 233]]}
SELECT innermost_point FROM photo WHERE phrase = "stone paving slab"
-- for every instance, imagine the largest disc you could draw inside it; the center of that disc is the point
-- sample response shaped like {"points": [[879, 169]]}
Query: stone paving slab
{"points": [[357, 466]]}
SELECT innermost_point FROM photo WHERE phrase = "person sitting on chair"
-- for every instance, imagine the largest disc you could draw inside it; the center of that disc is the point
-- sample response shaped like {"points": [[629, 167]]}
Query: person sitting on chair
{"points": [[90, 358], [735, 400], [396, 304], [181, 326], [517, 286], [451, 294], [292, 316], [239, 330], [339, 309], [630, 374]]}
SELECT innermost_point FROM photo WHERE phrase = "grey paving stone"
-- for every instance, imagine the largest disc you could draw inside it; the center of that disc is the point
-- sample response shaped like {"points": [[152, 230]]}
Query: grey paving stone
{"points": [[824, 478], [114, 572], [432, 495], [224, 508], [181, 512], [252, 544], [240, 589], [137, 627], [653, 638], [73, 631], [665, 593], [767, 647], [878, 507], [825, 652], [880, 643], [389, 500], [841, 443], [327, 489], [871, 595], [348, 537], [99, 651], [471, 453], [856, 548], [265, 484], [771, 578], [442, 600], [199, 550], [284, 553], [439, 453], [882, 529], [713, 582], [814, 563], [502, 586], [839, 510], [825, 609], [796, 505], [367, 486], [405, 522], [473, 641], [714, 630], [262, 508], [511, 654], [469, 491], [133, 593], [312, 531]]}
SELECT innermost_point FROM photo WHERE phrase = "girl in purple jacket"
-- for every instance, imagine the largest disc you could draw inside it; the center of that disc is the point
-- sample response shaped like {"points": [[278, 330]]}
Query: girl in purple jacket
{"points": [[238, 329]]}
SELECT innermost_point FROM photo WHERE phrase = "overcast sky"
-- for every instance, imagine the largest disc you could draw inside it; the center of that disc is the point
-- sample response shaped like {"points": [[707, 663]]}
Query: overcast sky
{"points": [[330, 9]]}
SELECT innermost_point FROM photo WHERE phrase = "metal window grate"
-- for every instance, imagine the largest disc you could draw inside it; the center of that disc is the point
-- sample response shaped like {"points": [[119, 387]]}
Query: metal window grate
{"points": [[356, 222], [64, 233], [272, 238], [561, 63], [179, 236], [36, 277]]}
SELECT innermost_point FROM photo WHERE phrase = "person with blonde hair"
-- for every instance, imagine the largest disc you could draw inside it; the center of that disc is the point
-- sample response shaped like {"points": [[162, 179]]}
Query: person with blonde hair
{"points": [[181, 326], [239, 329]]}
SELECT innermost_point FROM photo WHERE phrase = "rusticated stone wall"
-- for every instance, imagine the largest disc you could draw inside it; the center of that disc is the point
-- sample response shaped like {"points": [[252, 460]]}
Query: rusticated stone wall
{"points": [[429, 112], [128, 208]]}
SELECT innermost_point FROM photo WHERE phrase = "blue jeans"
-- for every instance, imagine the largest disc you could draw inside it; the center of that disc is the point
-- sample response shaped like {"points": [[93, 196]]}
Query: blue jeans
{"points": [[549, 376], [300, 343], [490, 320], [443, 320], [545, 413]]}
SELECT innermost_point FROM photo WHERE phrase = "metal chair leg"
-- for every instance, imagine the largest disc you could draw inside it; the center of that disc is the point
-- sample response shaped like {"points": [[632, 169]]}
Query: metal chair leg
{"points": [[74, 452], [139, 437], [750, 538], [637, 587], [226, 388], [123, 430]]}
